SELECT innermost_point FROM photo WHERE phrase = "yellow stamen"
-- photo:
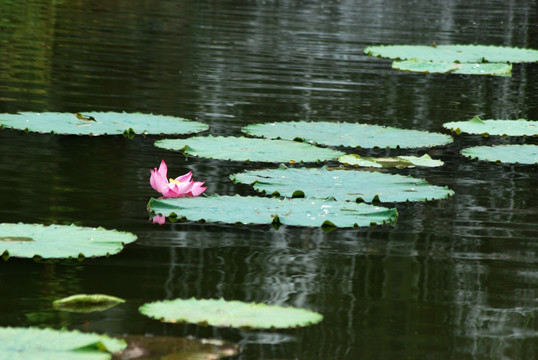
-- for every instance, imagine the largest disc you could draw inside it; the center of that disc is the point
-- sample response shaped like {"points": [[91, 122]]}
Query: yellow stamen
{"points": [[174, 181]]}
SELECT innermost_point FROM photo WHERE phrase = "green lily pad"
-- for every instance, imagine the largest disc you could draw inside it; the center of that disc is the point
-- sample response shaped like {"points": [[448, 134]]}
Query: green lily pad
{"points": [[262, 210], [348, 134], [436, 67], [515, 154], [342, 184], [387, 162], [60, 241], [84, 303], [100, 123], [488, 127], [247, 149], [224, 313], [45, 344], [454, 53], [357, 160]]}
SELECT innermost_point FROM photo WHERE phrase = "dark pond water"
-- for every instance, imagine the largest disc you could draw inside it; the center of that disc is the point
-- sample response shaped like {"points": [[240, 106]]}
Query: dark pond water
{"points": [[456, 278]]}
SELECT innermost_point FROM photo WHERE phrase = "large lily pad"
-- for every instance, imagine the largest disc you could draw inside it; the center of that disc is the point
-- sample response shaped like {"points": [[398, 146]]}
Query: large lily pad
{"points": [[100, 123], [436, 67], [247, 149], [348, 134], [454, 53], [522, 154], [262, 210], [60, 241], [84, 303], [45, 344], [224, 313], [387, 162], [342, 184], [488, 127]]}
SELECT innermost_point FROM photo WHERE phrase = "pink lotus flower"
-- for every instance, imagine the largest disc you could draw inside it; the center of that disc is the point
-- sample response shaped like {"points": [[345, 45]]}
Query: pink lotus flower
{"points": [[174, 188], [158, 219], [182, 186]]}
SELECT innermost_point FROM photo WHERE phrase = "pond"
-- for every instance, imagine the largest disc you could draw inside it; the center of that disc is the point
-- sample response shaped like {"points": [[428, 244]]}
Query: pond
{"points": [[452, 278]]}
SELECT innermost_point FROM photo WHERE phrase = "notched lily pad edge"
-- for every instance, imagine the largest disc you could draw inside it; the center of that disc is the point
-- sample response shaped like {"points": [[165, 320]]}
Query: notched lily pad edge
{"points": [[485, 134], [374, 201], [243, 327], [497, 162], [97, 344], [185, 151], [296, 139], [434, 45], [80, 257], [440, 67], [129, 133], [331, 146], [313, 142], [326, 226]]}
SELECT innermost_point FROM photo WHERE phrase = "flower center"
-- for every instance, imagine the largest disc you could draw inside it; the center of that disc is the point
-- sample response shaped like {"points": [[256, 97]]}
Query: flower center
{"points": [[174, 181]]}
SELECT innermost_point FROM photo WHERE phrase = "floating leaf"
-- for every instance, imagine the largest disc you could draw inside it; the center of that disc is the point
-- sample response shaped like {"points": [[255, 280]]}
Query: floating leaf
{"points": [[454, 53], [173, 348], [398, 161], [45, 344], [518, 154], [84, 303], [247, 149], [422, 161], [357, 160], [60, 241], [100, 123], [229, 313], [263, 210], [498, 69], [342, 184], [488, 127], [348, 134]]}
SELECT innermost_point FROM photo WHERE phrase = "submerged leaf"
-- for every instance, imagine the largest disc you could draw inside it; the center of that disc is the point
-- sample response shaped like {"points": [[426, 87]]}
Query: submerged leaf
{"points": [[263, 210], [33, 343], [229, 313], [60, 241], [498, 69], [173, 348], [100, 123], [247, 149], [84, 303], [488, 127], [454, 53], [342, 184], [348, 134], [398, 161], [518, 154]]}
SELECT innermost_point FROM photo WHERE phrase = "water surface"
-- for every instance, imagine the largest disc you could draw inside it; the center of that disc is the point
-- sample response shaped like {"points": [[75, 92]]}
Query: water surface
{"points": [[456, 278]]}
